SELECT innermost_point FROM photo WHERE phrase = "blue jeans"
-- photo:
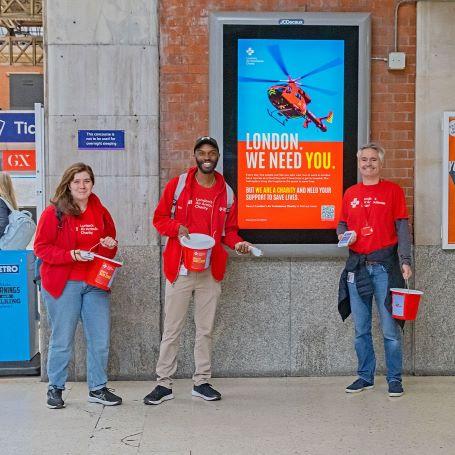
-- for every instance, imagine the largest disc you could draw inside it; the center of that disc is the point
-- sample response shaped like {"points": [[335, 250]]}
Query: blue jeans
{"points": [[362, 315], [91, 305]]}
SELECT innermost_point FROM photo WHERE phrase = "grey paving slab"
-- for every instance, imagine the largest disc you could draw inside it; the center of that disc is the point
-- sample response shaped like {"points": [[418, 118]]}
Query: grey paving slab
{"points": [[307, 416]]}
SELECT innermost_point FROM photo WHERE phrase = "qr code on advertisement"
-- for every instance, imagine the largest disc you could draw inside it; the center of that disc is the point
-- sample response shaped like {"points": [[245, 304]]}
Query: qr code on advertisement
{"points": [[327, 212]]}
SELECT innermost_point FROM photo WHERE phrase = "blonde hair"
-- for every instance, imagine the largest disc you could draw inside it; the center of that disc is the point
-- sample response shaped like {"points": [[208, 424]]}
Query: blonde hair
{"points": [[7, 189], [62, 199]]}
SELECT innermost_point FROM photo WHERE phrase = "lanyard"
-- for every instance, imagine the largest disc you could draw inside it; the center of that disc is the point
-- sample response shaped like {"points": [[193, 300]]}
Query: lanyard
{"points": [[366, 212]]}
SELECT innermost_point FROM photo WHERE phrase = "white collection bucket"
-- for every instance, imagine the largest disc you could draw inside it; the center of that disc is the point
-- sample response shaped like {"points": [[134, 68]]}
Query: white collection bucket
{"points": [[196, 251]]}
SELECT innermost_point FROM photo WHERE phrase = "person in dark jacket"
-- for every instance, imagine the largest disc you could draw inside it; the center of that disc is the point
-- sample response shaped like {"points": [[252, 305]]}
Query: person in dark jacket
{"points": [[6, 193], [202, 207], [76, 220], [379, 258]]}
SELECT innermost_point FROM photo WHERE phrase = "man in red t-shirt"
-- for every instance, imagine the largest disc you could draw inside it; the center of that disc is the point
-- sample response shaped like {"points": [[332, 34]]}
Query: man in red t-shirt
{"points": [[379, 258], [201, 207]]}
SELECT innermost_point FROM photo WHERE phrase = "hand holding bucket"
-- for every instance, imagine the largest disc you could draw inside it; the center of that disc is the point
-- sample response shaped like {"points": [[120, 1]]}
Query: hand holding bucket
{"points": [[197, 249], [101, 271], [405, 303]]}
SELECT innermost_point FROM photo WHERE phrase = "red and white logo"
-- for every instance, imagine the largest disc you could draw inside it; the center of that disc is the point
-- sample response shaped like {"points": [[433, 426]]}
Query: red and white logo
{"points": [[19, 160], [354, 203]]}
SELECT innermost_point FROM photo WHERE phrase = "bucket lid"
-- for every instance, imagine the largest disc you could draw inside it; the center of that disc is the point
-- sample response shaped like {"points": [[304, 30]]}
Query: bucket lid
{"points": [[406, 291], [107, 259], [198, 241]]}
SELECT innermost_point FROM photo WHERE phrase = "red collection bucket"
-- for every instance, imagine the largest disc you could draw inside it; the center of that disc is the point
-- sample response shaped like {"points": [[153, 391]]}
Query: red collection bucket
{"points": [[101, 272], [196, 251], [405, 303]]}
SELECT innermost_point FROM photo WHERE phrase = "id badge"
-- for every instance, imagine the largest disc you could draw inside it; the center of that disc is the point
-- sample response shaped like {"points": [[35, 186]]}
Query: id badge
{"points": [[366, 231]]}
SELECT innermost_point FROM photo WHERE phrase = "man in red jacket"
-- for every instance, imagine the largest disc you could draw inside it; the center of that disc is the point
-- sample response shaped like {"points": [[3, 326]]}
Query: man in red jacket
{"points": [[201, 207]]}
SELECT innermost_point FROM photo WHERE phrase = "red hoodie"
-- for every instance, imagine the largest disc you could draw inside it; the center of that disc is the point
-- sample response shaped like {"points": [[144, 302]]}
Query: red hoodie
{"points": [[53, 244], [172, 253]]}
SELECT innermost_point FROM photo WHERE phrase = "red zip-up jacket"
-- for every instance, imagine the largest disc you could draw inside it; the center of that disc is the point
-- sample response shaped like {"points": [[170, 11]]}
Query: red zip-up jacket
{"points": [[53, 244], [169, 227]]}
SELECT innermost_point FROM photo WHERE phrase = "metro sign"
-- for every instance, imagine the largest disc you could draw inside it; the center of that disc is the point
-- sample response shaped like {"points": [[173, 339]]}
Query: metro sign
{"points": [[19, 160]]}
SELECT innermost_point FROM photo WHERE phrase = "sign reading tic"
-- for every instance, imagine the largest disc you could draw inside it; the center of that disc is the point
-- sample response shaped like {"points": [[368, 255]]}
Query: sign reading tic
{"points": [[17, 126]]}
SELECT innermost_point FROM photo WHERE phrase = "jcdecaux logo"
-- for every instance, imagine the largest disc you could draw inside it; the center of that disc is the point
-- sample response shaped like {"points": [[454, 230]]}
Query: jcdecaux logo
{"points": [[291, 22], [9, 268]]}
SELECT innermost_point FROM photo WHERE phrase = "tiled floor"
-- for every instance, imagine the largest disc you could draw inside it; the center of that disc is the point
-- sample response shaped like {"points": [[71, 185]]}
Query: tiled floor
{"points": [[256, 416]]}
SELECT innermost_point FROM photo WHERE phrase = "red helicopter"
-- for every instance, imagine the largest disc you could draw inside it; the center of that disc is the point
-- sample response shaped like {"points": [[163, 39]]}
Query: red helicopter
{"points": [[289, 99]]}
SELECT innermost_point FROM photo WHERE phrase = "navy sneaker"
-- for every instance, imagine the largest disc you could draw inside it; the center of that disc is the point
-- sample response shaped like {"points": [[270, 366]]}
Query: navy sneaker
{"points": [[104, 396], [54, 399], [395, 389], [206, 391], [158, 395], [358, 385]]}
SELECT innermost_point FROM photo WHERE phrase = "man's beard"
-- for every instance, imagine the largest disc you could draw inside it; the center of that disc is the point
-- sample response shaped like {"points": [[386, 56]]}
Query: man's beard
{"points": [[204, 170]]}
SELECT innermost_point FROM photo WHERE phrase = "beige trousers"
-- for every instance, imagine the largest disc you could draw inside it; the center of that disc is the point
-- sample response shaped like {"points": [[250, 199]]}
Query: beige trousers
{"points": [[177, 299]]}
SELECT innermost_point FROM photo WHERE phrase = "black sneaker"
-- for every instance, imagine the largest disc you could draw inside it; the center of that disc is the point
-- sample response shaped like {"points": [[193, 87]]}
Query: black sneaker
{"points": [[158, 395], [358, 385], [104, 396], [395, 389], [206, 391], [54, 399]]}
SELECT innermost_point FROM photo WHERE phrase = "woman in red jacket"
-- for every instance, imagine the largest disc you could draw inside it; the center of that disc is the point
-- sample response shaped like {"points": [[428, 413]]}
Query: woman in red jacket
{"points": [[76, 220]]}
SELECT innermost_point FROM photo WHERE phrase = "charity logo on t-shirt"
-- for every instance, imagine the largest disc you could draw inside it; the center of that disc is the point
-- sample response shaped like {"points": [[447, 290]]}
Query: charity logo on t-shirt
{"points": [[88, 235], [87, 232], [367, 202], [86, 229], [200, 209], [203, 204]]}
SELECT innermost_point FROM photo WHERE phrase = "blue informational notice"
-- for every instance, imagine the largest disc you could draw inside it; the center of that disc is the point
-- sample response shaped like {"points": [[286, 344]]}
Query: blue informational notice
{"points": [[17, 126], [18, 317], [101, 139]]}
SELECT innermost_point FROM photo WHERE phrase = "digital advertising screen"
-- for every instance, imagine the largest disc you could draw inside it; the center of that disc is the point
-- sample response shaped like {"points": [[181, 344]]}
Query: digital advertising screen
{"points": [[448, 209], [290, 127], [289, 133]]}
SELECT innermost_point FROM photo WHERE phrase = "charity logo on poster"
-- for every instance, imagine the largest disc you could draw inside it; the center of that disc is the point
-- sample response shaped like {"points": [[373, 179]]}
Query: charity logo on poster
{"points": [[290, 133]]}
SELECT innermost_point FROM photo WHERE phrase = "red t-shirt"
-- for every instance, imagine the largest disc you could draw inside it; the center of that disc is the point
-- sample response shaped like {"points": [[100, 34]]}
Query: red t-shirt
{"points": [[377, 206], [201, 208], [87, 236]]}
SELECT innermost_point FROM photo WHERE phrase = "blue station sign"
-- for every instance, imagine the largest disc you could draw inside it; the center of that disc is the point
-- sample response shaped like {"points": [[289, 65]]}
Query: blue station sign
{"points": [[17, 126], [101, 139]]}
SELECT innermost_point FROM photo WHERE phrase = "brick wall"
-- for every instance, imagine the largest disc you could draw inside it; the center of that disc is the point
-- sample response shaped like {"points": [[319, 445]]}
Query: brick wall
{"points": [[184, 78]]}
